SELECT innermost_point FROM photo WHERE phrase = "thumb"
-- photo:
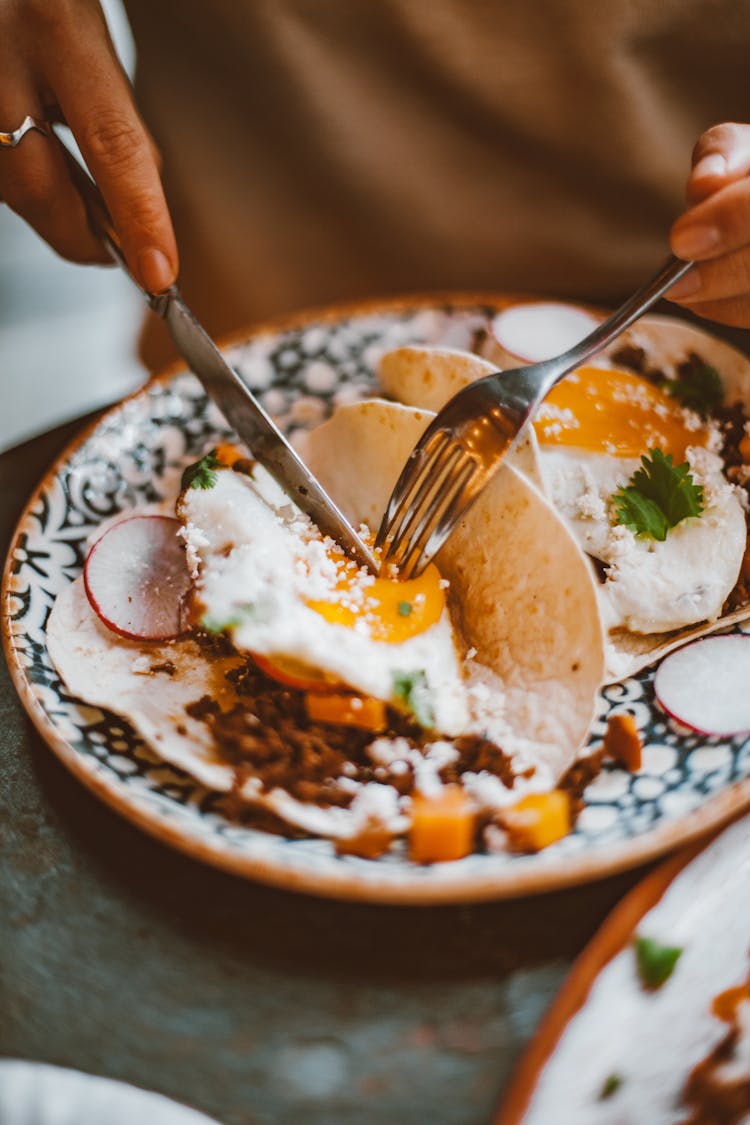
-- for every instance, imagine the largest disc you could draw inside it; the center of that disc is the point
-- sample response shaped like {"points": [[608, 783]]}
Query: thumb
{"points": [[721, 156]]}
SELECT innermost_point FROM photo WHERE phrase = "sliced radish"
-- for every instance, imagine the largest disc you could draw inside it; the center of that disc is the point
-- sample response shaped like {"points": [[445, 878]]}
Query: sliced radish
{"points": [[534, 332], [137, 580], [706, 685]]}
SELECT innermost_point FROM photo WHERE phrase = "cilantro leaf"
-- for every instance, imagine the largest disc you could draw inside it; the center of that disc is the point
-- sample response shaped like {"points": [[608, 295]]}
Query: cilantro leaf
{"points": [[201, 473], [658, 497], [242, 611], [404, 609], [655, 961], [610, 1087], [411, 689], [219, 625], [697, 386]]}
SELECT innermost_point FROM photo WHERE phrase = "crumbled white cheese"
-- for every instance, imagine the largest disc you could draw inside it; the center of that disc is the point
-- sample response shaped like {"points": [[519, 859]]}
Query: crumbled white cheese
{"points": [[621, 543], [375, 803], [385, 751], [195, 541]]}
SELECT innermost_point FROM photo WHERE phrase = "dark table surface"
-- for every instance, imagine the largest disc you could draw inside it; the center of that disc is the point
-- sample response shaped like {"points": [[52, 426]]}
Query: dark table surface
{"points": [[121, 958]]}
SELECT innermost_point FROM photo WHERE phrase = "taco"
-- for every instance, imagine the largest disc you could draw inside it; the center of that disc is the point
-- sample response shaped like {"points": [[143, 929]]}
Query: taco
{"points": [[643, 453], [340, 703]]}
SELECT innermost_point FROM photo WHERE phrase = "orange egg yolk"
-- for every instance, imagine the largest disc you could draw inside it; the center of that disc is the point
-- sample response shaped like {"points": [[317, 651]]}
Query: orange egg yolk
{"points": [[615, 412], [383, 608]]}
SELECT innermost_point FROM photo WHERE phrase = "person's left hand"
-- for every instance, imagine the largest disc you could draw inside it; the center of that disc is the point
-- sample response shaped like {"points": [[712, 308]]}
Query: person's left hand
{"points": [[715, 230]]}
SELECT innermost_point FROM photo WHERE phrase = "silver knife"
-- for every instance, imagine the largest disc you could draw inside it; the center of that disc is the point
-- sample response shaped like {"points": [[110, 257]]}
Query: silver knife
{"points": [[227, 390]]}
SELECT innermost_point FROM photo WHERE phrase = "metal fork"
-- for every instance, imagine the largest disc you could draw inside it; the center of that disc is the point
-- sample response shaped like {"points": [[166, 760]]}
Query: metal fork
{"points": [[463, 447]]}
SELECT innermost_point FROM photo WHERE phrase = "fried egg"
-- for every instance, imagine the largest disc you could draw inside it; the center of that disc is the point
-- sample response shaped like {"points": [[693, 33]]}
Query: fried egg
{"points": [[592, 430], [265, 575]]}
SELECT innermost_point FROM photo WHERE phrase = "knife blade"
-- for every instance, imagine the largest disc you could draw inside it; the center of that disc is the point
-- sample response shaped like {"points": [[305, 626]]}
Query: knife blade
{"points": [[225, 387], [262, 437]]}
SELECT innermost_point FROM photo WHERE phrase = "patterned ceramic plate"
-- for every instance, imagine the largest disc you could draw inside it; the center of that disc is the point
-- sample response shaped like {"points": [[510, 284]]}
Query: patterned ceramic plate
{"points": [[134, 455]]}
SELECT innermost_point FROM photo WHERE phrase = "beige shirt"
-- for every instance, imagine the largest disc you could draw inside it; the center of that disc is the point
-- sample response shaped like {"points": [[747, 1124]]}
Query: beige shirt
{"points": [[318, 150]]}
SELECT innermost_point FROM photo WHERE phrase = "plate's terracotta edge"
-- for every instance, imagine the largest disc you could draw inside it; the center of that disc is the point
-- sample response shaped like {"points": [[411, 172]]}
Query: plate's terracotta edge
{"points": [[609, 940], [508, 882]]}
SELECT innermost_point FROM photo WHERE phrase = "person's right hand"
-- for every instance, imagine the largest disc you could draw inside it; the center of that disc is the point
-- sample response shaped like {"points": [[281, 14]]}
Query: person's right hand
{"points": [[57, 62]]}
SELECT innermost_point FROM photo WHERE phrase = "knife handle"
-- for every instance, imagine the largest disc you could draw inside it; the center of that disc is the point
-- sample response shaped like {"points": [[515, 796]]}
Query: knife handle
{"points": [[103, 228]]}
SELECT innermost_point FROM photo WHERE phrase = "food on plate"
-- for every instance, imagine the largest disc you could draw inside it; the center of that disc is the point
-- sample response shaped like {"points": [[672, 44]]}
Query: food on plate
{"points": [[622, 741], [655, 961], [642, 452], [653, 1023], [704, 685], [374, 713], [266, 577], [537, 821], [140, 556], [527, 612], [534, 331], [442, 826], [718, 1089]]}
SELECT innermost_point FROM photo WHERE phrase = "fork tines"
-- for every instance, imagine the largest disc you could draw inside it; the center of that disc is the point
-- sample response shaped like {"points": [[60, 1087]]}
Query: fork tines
{"points": [[424, 503]]}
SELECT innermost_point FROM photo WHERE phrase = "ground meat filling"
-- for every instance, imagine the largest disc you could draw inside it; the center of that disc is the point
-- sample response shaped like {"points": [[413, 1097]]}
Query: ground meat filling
{"points": [[272, 738], [718, 1090], [732, 422], [634, 359], [579, 776]]}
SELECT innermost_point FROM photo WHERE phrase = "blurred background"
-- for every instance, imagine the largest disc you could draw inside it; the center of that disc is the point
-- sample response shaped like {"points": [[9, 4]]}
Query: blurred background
{"points": [[67, 333], [318, 151]]}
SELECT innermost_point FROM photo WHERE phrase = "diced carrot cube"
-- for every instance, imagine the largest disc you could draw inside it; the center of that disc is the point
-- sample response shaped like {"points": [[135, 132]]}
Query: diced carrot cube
{"points": [[370, 843], [227, 454], [346, 710], [538, 820], [725, 1005], [442, 827], [744, 448], [622, 741]]}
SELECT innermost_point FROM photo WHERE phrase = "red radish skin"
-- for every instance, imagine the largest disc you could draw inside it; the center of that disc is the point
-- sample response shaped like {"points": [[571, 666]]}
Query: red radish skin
{"points": [[137, 580], [705, 685], [535, 332]]}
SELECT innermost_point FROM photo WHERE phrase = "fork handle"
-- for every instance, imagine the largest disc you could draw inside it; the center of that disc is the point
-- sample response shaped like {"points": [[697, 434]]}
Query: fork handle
{"points": [[669, 272]]}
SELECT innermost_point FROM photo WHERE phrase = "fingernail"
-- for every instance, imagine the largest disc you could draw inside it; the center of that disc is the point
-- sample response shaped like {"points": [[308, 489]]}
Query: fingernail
{"points": [[712, 165], [693, 242], [154, 270], [686, 286]]}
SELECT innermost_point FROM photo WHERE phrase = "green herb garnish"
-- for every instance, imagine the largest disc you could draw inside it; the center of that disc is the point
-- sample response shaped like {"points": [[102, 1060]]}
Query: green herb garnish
{"points": [[697, 386], [219, 625], [404, 609], [201, 473], [243, 611], [659, 496], [411, 689], [655, 961], [610, 1087]]}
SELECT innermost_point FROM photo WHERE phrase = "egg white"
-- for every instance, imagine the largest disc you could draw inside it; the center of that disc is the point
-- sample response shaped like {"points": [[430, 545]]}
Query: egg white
{"points": [[257, 561], [650, 586]]}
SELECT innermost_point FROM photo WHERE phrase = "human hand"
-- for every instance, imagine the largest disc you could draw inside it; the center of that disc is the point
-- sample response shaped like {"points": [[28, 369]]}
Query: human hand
{"points": [[715, 230], [57, 62]]}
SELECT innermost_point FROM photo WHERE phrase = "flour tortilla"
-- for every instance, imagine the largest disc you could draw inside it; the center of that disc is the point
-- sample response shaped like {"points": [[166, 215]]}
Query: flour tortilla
{"points": [[524, 593], [110, 672], [428, 377]]}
